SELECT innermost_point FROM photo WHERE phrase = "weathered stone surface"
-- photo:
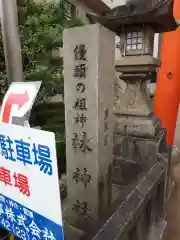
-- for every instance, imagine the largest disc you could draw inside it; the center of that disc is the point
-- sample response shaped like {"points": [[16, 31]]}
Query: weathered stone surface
{"points": [[125, 172], [137, 64], [89, 77], [134, 206], [131, 156], [134, 100], [138, 133], [135, 149], [138, 126]]}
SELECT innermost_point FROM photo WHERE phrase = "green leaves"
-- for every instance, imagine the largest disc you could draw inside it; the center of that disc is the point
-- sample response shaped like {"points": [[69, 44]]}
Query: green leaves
{"points": [[41, 28]]}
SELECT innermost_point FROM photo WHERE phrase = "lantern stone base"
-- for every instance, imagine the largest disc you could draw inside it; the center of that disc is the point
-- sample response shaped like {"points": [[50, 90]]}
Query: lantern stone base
{"points": [[141, 140]]}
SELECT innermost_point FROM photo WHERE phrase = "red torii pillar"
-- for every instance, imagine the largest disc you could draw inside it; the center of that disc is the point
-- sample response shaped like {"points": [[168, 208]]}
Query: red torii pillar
{"points": [[167, 99], [167, 94]]}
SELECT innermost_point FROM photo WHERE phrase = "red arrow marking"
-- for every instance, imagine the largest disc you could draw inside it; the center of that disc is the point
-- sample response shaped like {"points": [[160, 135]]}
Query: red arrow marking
{"points": [[14, 98]]}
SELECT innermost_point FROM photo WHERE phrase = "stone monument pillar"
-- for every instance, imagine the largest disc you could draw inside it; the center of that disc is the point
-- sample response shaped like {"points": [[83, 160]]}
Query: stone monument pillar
{"points": [[89, 55]]}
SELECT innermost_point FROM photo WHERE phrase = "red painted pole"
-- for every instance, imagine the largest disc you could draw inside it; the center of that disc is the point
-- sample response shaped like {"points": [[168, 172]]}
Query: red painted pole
{"points": [[167, 95]]}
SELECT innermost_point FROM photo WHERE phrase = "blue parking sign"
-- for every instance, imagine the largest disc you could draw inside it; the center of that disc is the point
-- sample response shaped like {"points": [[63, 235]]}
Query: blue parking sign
{"points": [[30, 206]]}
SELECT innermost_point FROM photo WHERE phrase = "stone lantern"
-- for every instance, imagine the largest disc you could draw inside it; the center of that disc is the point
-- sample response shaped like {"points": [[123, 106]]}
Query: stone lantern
{"points": [[138, 132]]}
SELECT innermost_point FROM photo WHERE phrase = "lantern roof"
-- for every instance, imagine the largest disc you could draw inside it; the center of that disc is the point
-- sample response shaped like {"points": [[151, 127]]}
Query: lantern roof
{"points": [[158, 15]]}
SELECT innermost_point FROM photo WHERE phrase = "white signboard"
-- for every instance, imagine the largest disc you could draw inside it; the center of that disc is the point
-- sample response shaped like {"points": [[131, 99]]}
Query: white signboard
{"points": [[29, 189]]}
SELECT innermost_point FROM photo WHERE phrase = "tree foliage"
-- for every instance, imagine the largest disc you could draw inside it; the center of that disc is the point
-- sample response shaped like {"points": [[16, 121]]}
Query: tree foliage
{"points": [[41, 28]]}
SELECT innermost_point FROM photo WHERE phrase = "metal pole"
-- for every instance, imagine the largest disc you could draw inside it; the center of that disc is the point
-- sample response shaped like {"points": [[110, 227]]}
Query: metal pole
{"points": [[11, 40]]}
